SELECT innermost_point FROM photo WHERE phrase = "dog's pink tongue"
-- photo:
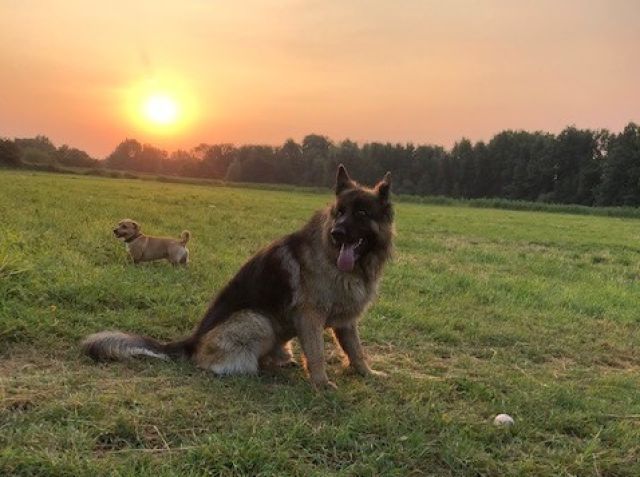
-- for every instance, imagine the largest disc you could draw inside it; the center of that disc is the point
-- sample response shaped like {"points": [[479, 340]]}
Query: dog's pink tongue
{"points": [[347, 258]]}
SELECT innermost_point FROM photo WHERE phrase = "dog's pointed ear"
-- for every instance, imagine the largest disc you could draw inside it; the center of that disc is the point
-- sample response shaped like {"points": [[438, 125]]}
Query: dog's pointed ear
{"points": [[136, 225], [343, 181], [383, 187]]}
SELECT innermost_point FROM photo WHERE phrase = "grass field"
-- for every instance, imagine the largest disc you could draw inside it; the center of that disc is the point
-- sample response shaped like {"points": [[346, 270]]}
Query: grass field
{"points": [[482, 311]]}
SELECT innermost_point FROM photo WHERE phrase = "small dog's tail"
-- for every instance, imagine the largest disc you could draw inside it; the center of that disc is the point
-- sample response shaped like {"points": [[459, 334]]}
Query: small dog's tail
{"points": [[184, 237], [116, 345]]}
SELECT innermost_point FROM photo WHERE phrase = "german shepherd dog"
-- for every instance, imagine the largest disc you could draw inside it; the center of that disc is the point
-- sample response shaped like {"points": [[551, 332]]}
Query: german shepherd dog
{"points": [[322, 276]]}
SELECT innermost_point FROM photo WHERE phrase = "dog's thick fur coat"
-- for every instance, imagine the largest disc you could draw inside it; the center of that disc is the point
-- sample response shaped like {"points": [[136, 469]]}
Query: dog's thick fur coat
{"points": [[145, 248], [322, 276]]}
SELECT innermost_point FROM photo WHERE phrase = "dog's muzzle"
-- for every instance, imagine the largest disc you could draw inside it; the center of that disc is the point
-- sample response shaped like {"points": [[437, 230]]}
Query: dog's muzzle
{"points": [[339, 234]]}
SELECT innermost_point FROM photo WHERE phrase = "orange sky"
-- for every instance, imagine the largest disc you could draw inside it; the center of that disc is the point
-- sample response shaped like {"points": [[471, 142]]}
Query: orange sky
{"points": [[262, 71]]}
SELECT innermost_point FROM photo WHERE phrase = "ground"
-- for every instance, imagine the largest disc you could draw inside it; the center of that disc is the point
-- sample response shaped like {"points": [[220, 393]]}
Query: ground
{"points": [[481, 312]]}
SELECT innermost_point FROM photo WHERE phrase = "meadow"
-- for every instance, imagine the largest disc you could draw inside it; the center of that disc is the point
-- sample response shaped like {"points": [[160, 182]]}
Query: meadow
{"points": [[482, 311]]}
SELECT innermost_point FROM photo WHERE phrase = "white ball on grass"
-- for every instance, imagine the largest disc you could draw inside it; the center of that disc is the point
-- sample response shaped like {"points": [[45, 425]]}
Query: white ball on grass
{"points": [[503, 420]]}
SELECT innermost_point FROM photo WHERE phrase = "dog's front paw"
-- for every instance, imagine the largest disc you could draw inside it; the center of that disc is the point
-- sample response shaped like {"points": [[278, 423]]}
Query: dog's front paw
{"points": [[366, 371], [363, 369]]}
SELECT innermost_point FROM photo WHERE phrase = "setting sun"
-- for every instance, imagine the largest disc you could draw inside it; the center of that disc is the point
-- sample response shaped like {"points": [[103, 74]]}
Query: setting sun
{"points": [[161, 109]]}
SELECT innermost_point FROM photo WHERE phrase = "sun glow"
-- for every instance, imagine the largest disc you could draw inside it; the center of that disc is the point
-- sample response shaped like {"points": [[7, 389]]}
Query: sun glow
{"points": [[163, 107]]}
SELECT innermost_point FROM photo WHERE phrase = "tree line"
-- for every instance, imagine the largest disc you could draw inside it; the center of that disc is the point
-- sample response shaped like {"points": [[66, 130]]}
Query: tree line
{"points": [[576, 166]]}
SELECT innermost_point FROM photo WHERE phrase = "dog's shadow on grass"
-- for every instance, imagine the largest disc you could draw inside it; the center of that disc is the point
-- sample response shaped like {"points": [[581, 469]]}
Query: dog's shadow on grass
{"points": [[287, 387]]}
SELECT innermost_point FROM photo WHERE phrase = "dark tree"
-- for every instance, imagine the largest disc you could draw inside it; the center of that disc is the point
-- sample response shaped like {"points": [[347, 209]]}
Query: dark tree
{"points": [[9, 153], [621, 169], [464, 165], [290, 166], [37, 150], [123, 157], [315, 157], [574, 155], [215, 159], [72, 157]]}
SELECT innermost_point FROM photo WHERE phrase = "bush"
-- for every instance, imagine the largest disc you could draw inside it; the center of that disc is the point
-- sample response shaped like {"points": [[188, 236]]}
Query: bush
{"points": [[32, 155]]}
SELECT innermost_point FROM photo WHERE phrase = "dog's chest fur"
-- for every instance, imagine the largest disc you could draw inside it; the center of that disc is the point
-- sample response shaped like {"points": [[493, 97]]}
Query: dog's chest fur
{"points": [[340, 296]]}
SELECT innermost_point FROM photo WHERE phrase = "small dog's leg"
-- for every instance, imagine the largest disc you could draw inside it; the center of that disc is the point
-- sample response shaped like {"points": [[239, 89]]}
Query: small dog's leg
{"points": [[136, 258]]}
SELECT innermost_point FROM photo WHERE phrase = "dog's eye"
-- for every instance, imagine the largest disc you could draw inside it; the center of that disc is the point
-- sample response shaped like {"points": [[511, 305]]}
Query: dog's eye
{"points": [[339, 212]]}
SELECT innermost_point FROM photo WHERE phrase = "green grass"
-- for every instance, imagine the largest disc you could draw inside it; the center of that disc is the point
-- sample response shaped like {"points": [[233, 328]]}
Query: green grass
{"points": [[482, 311]]}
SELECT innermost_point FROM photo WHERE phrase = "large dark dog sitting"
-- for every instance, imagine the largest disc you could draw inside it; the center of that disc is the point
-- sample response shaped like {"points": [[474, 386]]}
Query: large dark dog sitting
{"points": [[322, 276]]}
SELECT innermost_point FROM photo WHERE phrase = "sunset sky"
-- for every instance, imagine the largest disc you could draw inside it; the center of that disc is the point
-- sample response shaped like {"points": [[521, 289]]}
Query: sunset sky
{"points": [[178, 73]]}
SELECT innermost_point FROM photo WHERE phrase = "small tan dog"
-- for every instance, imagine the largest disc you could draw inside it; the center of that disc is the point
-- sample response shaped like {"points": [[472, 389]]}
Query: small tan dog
{"points": [[143, 248]]}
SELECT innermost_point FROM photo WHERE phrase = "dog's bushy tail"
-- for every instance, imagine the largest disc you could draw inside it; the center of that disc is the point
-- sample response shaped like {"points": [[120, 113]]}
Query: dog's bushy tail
{"points": [[185, 236], [116, 345]]}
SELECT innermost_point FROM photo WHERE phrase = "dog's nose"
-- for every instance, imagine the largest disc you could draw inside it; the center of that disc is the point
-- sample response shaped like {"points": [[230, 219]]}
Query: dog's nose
{"points": [[115, 231], [338, 234]]}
